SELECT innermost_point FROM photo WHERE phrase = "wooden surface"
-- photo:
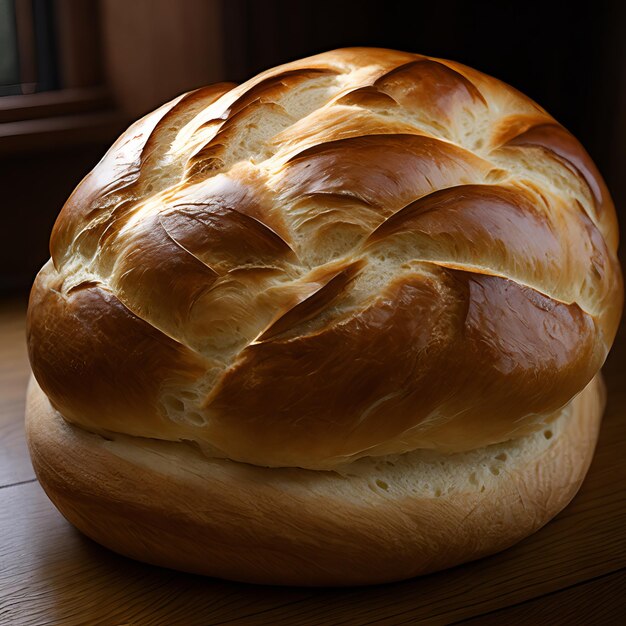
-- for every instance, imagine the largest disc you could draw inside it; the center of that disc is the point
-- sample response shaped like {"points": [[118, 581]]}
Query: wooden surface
{"points": [[570, 572]]}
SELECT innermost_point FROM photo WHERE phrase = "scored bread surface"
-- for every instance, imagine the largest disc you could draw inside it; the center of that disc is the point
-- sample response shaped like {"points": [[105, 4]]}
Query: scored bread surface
{"points": [[361, 253]]}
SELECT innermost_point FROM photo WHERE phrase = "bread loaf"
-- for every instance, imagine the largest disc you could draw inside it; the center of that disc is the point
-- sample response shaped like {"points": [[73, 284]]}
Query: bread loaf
{"points": [[360, 255], [376, 520]]}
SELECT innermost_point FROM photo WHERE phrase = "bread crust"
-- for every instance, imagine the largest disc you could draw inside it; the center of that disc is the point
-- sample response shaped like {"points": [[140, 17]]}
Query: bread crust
{"points": [[341, 324], [361, 253], [167, 504]]}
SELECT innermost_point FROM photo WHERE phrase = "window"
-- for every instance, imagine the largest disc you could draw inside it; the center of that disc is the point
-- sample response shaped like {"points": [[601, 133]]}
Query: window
{"points": [[28, 51], [9, 61]]}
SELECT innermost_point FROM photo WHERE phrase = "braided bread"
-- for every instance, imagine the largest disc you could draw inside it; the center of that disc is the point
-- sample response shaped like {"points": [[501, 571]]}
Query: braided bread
{"points": [[359, 254]]}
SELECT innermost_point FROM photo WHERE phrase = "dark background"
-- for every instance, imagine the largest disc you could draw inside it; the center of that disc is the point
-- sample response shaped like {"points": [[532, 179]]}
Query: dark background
{"points": [[89, 67]]}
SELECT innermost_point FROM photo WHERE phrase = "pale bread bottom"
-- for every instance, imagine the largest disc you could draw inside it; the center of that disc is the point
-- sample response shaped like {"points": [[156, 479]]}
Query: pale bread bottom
{"points": [[374, 520]]}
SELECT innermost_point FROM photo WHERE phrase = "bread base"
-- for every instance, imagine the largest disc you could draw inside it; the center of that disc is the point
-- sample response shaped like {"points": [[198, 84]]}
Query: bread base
{"points": [[375, 520]]}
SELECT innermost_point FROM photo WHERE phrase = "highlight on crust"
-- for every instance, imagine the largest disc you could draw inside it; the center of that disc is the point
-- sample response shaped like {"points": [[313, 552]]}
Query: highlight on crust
{"points": [[364, 252], [340, 324]]}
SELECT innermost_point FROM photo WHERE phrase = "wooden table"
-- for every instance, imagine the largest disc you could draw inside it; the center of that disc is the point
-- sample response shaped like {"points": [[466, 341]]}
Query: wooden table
{"points": [[570, 572]]}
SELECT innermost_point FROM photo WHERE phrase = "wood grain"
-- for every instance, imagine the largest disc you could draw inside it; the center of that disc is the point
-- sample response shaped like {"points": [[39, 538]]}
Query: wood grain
{"points": [[50, 574], [598, 601], [14, 371]]}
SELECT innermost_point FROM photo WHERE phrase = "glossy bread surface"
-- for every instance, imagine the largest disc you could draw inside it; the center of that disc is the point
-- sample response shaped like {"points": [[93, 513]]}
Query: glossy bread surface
{"points": [[360, 253]]}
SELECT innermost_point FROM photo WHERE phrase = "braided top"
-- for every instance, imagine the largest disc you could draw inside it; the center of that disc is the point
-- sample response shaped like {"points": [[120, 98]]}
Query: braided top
{"points": [[360, 253]]}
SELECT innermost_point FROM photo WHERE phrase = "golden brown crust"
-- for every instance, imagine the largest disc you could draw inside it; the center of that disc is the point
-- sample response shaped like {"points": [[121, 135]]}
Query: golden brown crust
{"points": [[132, 345], [167, 504], [363, 252]]}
